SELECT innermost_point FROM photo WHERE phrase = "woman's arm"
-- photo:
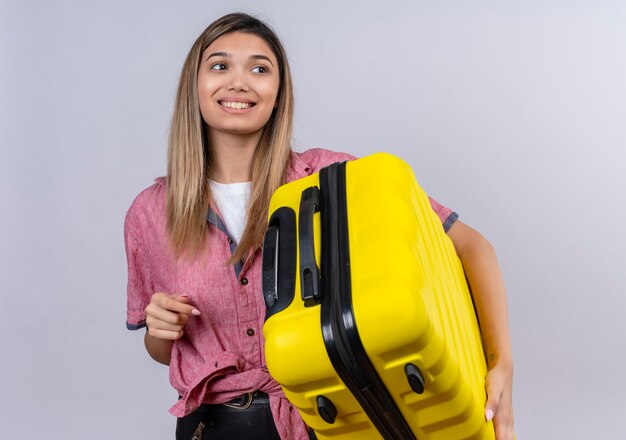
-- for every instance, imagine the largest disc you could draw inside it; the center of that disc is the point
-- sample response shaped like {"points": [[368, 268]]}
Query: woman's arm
{"points": [[166, 316], [159, 349], [487, 286]]}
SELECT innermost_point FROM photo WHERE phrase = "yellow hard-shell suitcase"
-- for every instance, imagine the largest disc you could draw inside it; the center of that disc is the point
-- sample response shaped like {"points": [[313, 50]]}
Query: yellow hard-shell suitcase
{"points": [[370, 327]]}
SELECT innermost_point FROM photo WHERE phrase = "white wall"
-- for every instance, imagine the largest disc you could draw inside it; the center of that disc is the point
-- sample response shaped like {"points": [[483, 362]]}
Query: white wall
{"points": [[512, 113]]}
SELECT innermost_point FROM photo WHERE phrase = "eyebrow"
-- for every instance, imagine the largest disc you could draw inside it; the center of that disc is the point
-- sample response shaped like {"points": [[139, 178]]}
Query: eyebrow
{"points": [[253, 57]]}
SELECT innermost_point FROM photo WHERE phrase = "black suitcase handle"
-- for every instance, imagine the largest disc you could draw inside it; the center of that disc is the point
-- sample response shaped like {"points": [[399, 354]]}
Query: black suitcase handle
{"points": [[310, 280], [270, 266], [279, 261]]}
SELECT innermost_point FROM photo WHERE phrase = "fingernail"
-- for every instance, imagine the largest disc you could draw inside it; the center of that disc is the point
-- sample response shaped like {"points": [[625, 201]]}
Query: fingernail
{"points": [[489, 414], [195, 312]]}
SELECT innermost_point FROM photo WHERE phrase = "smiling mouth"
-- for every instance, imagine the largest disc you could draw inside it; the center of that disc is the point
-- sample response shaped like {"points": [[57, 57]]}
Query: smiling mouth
{"points": [[237, 105]]}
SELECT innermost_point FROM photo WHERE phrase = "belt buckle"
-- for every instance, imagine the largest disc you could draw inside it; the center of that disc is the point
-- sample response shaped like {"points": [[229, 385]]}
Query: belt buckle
{"points": [[244, 404]]}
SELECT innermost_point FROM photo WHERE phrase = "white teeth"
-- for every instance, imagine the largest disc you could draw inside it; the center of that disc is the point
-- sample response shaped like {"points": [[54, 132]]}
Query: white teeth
{"points": [[236, 105]]}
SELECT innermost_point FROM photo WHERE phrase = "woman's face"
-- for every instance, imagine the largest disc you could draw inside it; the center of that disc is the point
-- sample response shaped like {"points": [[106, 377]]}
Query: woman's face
{"points": [[238, 84]]}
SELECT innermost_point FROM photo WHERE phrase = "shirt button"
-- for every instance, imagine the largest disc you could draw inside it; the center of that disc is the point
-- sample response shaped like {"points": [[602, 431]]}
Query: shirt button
{"points": [[244, 281], [250, 332]]}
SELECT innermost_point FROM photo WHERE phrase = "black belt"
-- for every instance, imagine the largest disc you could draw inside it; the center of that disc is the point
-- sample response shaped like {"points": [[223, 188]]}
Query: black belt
{"points": [[229, 420], [245, 400]]}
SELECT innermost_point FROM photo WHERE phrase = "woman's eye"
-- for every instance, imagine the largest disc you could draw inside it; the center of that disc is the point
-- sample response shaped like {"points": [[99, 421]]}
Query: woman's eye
{"points": [[218, 66], [259, 69]]}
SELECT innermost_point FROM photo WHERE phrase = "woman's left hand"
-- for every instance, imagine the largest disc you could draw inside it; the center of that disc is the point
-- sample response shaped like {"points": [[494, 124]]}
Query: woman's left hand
{"points": [[499, 407]]}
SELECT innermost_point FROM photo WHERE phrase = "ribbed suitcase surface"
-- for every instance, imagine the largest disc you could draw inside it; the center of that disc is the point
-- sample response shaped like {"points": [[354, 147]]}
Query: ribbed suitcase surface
{"points": [[385, 342]]}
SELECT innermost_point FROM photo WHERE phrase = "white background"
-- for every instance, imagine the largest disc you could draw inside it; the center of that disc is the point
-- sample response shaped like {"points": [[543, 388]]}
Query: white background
{"points": [[511, 113]]}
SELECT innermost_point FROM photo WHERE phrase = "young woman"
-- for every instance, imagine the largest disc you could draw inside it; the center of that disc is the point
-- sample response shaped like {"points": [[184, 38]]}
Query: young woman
{"points": [[193, 242]]}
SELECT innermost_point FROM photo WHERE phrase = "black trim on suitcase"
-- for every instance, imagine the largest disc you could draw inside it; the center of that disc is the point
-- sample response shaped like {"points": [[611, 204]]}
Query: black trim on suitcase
{"points": [[341, 337], [279, 261], [309, 272]]}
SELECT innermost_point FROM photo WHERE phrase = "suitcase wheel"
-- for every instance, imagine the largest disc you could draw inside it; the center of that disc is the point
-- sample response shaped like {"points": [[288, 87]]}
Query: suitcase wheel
{"points": [[326, 409], [415, 378]]}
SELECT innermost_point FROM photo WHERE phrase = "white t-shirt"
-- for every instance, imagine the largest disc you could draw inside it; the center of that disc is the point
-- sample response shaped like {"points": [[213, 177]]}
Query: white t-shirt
{"points": [[232, 201]]}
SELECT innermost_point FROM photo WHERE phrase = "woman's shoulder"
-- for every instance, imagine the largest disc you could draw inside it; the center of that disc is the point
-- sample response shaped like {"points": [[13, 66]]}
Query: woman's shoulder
{"points": [[149, 204], [317, 158]]}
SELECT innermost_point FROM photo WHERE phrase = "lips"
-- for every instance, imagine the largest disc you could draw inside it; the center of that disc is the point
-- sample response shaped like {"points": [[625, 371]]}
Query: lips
{"points": [[236, 105]]}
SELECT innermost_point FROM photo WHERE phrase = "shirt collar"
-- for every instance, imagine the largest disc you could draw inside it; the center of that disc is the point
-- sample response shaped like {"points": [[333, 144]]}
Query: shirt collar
{"points": [[297, 168]]}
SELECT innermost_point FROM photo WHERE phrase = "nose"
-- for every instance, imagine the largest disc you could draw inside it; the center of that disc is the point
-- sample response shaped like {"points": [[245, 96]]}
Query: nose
{"points": [[237, 81]]}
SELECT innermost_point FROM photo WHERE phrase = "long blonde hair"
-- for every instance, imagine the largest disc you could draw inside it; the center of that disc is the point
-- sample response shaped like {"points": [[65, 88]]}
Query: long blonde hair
{"points": [[188, 191]]}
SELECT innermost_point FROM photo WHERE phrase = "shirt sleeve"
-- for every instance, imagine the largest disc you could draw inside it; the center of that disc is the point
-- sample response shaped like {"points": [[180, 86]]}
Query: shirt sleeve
{"points": [[138, 291], [318, 158], [445, 214]]}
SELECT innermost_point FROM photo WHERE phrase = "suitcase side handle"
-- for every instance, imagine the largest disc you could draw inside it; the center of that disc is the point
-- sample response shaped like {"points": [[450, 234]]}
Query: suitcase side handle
{"points": [[279, 261], [310, 280], [269, 277]]}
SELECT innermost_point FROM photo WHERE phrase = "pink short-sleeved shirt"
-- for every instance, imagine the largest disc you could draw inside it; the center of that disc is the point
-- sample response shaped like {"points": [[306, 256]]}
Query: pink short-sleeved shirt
{"points": [[221, 354]]}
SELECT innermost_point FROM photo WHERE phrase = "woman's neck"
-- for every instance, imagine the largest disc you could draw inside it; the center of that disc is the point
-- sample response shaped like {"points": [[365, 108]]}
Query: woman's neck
{"points": [[231, 156]]}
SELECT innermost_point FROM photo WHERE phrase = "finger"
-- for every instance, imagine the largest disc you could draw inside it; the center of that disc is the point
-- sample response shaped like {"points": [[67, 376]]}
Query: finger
{"points": [[504, 426], [493, 401], [165, 334], [180, 304], [185, 299], [491, 408], [505, 433], [175, 303], [156, 313], [152, 322], [503, 420]]}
